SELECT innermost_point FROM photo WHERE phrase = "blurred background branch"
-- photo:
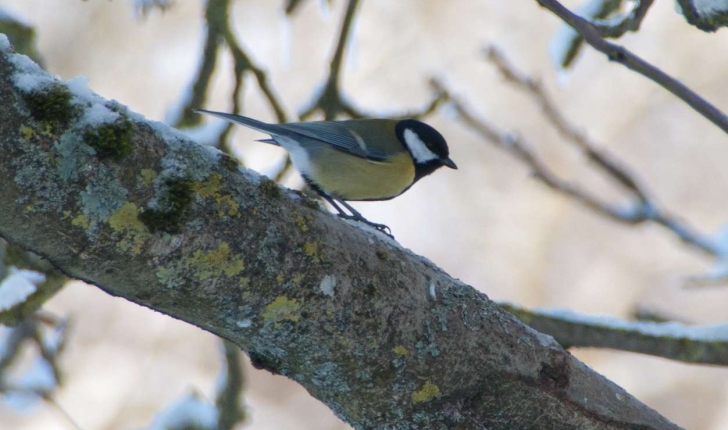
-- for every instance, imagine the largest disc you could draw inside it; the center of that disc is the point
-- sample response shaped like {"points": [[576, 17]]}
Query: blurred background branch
{"points": [[218, 32], [40, 338], [292, 5], [672, 340], [20, 32], [591, 35], [230, 392], [329, 99], [607, 20], [706, 15], [27, 281], [641, 209], [145, 7]]}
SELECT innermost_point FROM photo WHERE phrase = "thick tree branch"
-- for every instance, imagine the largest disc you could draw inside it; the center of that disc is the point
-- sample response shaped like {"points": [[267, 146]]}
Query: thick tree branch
{"points": [[383, 337], [623, 56]]}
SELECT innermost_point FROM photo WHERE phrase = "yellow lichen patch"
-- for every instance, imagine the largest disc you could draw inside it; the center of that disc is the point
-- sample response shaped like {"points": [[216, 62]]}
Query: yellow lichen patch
{"points": [[297, 278], [148, 175], [283, 309], [244, 281], [428, 392], [211, 188], [228, 206], [301, 221], [400, 350], [48, 131], [219, 261], [27, 132], [81, 221], [125, 221], [312, 251]]}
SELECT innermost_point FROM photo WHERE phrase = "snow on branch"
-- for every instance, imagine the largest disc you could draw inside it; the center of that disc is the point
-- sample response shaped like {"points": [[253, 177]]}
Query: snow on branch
{"points": [[673, 340], [619, 54]]}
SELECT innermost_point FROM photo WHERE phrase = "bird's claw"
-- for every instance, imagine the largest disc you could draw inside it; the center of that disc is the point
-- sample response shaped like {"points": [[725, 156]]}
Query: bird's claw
{"points": [[380, 227]]}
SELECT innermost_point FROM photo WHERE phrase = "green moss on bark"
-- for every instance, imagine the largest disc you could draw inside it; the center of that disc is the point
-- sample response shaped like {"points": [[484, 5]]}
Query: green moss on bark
{"points": [[51, 106], [168, 215], [111, 140]]}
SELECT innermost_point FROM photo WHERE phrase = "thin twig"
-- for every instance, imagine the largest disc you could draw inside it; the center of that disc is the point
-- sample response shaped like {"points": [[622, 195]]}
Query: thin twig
{"points": [[292, 6], [630, 21], [644, 313], [61, 411], [567, 43], [215, 17], [330, 101], [705, 22], [228, 399], [438, 99], [219, 30], [631, 61], [562, 125], [243, 64], [642, 210]]}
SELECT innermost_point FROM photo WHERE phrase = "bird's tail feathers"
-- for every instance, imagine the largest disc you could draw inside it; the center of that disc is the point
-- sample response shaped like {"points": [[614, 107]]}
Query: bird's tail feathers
{"points": [[271, 141], [272, 129]]}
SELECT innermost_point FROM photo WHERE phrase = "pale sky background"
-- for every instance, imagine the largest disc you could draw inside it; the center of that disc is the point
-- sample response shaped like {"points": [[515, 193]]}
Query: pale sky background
{"points": [[487, 223]]}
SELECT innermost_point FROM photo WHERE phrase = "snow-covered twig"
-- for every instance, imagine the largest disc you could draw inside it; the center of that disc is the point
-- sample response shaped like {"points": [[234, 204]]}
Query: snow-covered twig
{"points": [[592, 36], [143, 7], [643, 209], [567, 43], [676, 341], [707, 15]]}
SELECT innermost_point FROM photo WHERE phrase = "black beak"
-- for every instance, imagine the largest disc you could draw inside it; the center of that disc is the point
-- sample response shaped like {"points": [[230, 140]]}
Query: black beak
{"points": [[449, 163]]}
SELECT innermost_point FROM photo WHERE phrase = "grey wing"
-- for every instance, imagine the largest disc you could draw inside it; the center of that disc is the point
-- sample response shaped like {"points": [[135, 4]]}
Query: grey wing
{"points": [[336, 135], [330, 132]]}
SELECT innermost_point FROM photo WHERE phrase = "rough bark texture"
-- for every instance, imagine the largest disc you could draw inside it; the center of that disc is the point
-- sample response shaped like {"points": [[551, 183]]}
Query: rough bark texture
{"points": [[146, 215]]}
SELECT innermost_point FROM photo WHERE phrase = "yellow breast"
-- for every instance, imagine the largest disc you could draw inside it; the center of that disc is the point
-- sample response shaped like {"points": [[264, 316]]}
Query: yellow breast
{"points": [[366, 179]]}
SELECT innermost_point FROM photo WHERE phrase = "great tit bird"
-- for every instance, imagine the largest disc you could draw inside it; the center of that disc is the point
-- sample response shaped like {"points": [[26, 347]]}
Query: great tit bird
{"points": [[359, 159]]}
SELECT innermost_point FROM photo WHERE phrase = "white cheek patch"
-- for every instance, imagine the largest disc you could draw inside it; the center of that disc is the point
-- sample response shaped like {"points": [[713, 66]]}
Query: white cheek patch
{"points": [[420, 152]]}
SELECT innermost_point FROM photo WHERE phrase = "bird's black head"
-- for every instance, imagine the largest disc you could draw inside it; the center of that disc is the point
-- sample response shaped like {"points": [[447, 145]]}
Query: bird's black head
{"points": [[426, 146]]}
